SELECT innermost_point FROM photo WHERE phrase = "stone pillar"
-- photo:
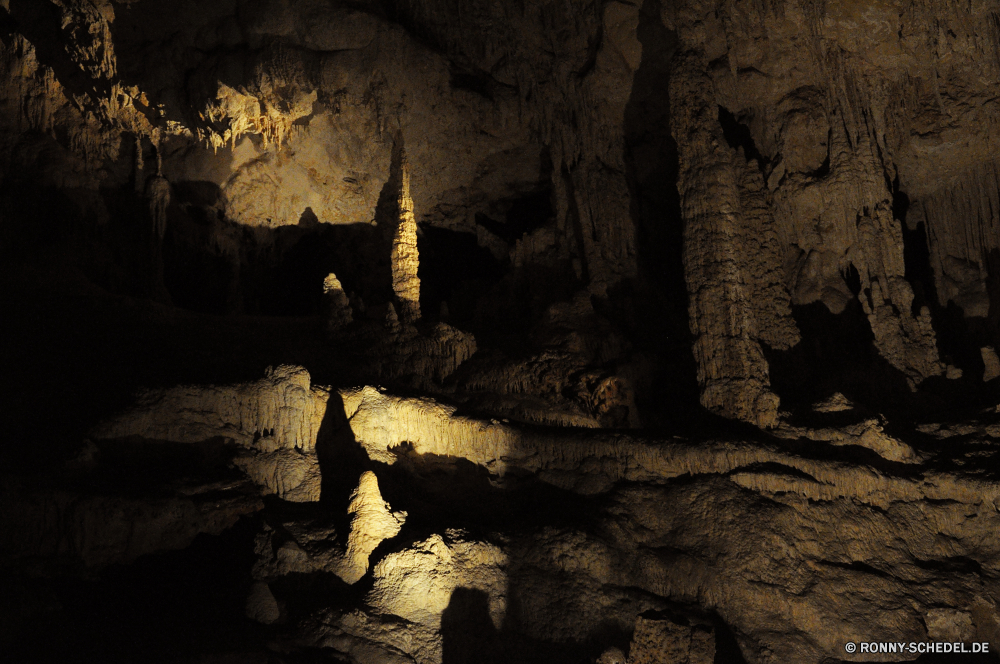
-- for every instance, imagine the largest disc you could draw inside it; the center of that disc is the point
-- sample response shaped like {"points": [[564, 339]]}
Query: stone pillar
{"points": [[731, 256], [405, 258]]}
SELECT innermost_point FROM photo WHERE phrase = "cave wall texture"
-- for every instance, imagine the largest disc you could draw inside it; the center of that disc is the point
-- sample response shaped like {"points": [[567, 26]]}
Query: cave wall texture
{"points": [[848, 119], [654, 331]]}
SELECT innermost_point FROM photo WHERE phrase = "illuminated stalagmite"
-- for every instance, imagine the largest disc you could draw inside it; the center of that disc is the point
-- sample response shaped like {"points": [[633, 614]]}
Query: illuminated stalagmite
{"points": [[372, 523], [405, 258]]}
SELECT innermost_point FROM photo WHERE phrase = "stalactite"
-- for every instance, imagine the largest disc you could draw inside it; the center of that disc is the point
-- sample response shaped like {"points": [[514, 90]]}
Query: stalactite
{"points": [[844, 218], [158, 199], [963, 227]]}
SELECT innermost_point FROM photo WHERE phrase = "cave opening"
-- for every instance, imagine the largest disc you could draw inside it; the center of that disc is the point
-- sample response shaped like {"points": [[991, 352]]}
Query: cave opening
{"points": [[836, 354], [738, 135], [916, 252], [215, 266], [476, 82], [455, 274], [523, 215], [959, 336], [727, 648]]}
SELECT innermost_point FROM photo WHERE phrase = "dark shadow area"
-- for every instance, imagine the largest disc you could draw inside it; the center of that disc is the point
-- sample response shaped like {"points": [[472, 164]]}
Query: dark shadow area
{"points": [[505, 315], [468, 635], [138, 468], [654, 311], [98, 348], [524, 215], [24, 203], [213, 265], [727, 648], [456, 271], [916, 257], [959, 337], [836, 354], [437, 490], [738, 136], [993, 288], [342, 461], [170, 607]]}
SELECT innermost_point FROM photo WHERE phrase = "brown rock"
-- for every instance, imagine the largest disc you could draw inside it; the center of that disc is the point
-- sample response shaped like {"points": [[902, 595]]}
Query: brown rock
{"points": [[662, 641]]}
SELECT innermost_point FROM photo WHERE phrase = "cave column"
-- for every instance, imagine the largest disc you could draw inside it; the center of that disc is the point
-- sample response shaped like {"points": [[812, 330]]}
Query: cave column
{"points": [[729, 256]]}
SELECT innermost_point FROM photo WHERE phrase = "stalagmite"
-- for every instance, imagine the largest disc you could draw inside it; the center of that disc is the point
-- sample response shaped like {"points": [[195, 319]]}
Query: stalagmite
{"points": [[373, 522], [908, 342], [405, 259], [261, 605], [315, 546], [337, 304]]}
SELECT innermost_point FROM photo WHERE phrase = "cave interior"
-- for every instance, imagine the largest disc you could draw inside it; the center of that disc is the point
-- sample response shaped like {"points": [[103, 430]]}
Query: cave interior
{"points": [[461, 331]]}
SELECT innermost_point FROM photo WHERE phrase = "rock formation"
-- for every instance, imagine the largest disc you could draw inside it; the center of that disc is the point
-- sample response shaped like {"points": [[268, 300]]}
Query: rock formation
{"points": [[338, 306], [450, 331], [405, 257], [657, 641], [796, 495], [991, 362], [371, 524], [728, 238]]}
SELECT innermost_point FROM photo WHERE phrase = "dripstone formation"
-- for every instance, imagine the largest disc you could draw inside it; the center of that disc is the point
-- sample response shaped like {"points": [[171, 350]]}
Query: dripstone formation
{"points": [[441, 332]]}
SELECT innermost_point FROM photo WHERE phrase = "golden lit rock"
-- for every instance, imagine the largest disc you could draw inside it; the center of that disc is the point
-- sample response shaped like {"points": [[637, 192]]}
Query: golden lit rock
{"points": [[405, 257], [372, 522], [515, 268]]}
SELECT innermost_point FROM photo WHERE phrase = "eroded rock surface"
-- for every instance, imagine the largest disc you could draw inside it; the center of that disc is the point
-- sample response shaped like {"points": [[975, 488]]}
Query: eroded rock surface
{"points": [[532, 251], [831, 530]]}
